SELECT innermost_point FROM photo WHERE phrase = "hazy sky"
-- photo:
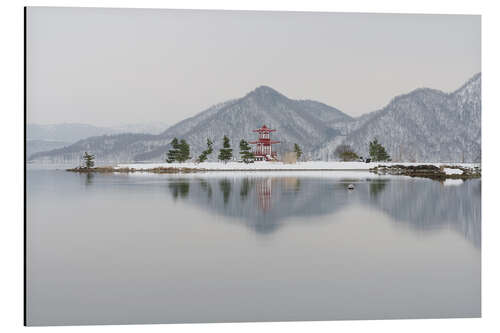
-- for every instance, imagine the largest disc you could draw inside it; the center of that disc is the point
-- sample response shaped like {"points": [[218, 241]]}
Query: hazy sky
{"points": [[116, 66]]}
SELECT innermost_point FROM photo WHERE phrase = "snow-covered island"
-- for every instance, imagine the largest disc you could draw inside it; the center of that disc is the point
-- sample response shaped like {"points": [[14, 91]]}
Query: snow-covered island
{"points": [[428, 170], [431, 170]]}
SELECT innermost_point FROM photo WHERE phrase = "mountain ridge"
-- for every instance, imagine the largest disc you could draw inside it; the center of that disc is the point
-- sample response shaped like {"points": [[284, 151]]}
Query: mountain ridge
{"points": [[414, 120], [431, 125]]}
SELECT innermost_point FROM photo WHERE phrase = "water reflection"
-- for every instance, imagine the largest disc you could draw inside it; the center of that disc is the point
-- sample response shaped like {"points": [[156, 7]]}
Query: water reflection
{"points": [[179, 188], [265, 203], [264, 190], [89, 178], [207, 188], [225, 187], [245, 189], [377, 186]]}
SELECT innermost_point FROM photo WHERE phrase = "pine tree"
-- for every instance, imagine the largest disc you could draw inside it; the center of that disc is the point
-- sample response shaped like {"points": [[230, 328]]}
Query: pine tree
{"points": [[246, 155], [172, 153], [204, 154], [378, 152], [184, 151], [89, 160], [297, 151], [225, 153]]}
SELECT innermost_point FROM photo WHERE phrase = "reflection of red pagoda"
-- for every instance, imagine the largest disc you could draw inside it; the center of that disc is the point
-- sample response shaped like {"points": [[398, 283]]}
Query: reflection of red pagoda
{"points": [[263, 149], [264, 187]]}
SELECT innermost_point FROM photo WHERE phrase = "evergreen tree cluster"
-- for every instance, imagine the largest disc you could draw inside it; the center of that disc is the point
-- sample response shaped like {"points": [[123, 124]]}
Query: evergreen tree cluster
{"points": [[297, 151], [378, 152], [245, 151], [204, 154], [226, 153], [89, 160], [180, 151]]}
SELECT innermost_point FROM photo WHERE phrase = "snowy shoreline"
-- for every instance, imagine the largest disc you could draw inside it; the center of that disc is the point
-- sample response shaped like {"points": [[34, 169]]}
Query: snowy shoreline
{"points": [[278, 166]]}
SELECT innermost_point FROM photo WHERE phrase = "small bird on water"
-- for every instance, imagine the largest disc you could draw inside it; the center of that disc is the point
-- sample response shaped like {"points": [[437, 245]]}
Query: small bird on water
{"points": [[350, 187]]}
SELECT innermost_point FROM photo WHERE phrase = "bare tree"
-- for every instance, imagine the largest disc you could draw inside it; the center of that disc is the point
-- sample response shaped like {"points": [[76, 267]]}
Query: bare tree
{"points": [[345, 153]]}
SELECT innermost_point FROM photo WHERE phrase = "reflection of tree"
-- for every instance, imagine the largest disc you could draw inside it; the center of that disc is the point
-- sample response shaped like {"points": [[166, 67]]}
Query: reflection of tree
{"points": [[207, 188], [477, 190], [266, 203], [291, 184], [179, 188], [245, 188], [89, 177], [377, 186], [225, 187]]}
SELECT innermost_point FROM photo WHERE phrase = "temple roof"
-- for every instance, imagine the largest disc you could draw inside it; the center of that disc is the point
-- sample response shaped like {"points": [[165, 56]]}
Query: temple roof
{"points": [[264, 129]]}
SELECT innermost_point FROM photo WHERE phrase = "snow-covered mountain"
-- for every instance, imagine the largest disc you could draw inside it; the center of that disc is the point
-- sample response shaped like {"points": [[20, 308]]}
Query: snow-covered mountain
{"points": [[302, 121], [424, 125]]}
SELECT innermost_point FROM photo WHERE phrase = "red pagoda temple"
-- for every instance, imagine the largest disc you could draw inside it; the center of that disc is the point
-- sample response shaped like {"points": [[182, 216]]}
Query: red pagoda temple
{"points": [[263, 149]]}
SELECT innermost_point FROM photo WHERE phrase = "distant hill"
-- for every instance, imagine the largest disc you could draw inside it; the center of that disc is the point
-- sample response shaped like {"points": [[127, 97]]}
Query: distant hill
{"points": [[42, 138], [72, 132], [423, 125], [36, 146]]}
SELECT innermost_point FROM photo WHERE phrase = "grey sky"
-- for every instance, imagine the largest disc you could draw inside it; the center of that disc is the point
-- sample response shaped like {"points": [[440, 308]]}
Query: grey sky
{"points": [[116, 66]]}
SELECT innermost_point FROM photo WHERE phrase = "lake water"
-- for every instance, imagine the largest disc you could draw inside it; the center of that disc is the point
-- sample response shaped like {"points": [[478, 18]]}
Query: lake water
{"points": [[228, 247]]}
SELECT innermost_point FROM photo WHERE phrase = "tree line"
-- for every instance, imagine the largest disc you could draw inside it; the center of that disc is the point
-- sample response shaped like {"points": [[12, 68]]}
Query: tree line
{"points": [[180, 151]]}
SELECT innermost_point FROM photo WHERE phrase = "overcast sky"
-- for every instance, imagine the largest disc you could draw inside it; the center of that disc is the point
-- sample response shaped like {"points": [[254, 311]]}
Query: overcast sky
{"points": [[117, 66]]}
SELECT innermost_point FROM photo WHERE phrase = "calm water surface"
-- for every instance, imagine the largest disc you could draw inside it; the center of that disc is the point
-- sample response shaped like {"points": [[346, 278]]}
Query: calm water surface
{"points": [[118, 249]]}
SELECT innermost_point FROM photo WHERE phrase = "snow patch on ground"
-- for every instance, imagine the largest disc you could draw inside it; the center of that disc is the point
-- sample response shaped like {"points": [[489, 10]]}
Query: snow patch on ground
{"points": [[449, 171]]}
